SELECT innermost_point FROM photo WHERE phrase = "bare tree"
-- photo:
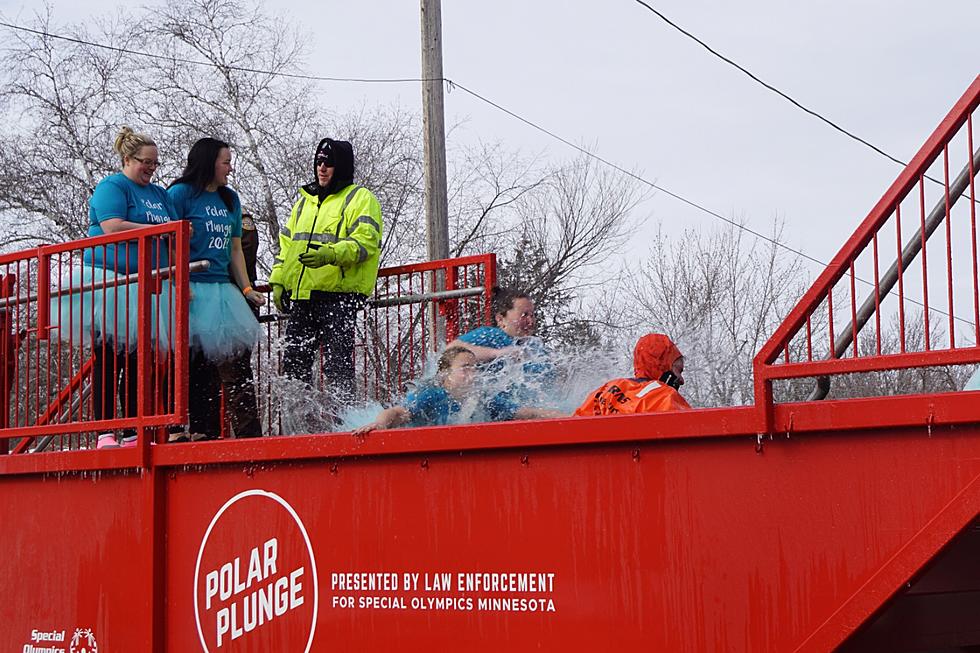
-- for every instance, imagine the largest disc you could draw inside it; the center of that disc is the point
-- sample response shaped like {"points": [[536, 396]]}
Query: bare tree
{"points": [[62, 104], [239, 96], [719, 296]]}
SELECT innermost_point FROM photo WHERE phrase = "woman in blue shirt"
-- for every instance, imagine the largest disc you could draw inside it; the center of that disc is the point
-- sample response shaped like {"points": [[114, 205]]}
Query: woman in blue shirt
{"points": [[512, 340], [221, 325], [106, 318], [450, 399]]}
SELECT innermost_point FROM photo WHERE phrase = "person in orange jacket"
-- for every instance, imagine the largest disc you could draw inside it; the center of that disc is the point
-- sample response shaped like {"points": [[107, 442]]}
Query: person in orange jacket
{"points": [[659, 368]]}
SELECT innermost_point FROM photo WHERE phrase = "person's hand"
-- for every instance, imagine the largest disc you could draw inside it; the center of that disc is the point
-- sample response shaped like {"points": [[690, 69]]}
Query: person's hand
{"points": [[255, 297], [277, 292], [317, 258], [361, 431]]}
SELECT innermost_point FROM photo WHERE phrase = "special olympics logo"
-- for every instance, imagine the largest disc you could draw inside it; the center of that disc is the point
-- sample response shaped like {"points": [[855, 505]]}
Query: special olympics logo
{"points": [[256, 576], [83, 641]]}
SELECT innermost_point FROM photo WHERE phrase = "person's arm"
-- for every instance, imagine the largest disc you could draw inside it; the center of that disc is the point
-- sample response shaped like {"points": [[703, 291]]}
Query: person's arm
{"points": [[363, 238], [241, 277], [285, 242], [386, 419], [115, 225]]}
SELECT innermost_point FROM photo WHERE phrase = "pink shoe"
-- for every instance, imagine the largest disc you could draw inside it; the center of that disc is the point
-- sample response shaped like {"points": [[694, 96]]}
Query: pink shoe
{"points": [[128, 442], [107, 441]]}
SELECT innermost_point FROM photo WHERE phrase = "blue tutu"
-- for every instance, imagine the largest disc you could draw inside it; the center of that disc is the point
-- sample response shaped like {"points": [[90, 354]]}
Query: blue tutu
{"points": [[84, 315], [220, 322]]}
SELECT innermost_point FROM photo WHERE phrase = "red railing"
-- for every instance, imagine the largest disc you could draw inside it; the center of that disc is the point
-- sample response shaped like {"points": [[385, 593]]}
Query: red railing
{"points": [[933, 317], [61, 319], [416, 310]]}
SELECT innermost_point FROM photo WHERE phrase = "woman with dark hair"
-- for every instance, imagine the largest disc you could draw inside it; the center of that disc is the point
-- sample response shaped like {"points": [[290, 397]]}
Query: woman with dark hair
{"points": [[513, 361], [222, 327]]}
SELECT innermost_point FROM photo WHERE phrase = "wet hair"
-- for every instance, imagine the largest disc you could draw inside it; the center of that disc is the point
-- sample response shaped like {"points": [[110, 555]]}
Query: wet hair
{"points": [[502, 299], [447, 358], [199, 171], [129, 143]]}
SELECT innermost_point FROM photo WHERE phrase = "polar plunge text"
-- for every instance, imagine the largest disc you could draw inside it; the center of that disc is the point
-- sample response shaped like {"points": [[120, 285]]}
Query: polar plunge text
{"points": [[258, 596]]}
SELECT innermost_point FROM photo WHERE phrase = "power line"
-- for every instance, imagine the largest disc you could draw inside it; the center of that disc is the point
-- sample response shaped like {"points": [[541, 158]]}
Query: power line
{"points": [[770, 87], [211, 64], [452, 84]]}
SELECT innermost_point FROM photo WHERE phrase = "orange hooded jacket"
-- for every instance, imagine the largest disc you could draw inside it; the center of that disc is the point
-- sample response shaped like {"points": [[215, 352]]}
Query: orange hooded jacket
{"points": [[654, 354]]}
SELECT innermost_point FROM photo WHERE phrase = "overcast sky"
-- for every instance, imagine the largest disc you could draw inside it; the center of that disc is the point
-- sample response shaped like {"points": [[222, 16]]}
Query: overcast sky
{"points": [[615, 78]]}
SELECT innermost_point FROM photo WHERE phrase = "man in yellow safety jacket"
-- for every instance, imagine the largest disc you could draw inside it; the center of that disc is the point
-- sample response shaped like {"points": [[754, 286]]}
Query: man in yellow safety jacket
{"points": [[326, 268]]}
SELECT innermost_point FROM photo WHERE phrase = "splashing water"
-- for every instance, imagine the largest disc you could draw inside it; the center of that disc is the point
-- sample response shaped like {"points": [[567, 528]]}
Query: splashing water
{"points": [[540, 378]]}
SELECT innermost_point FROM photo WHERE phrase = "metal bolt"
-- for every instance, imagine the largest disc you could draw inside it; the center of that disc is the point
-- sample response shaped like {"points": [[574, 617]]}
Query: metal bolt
{"points": [[524, 460], [425, 463], [636, 455]]}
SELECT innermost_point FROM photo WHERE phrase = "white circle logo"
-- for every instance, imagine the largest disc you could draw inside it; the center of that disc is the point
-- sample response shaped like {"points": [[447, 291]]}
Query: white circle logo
{"points": [[256, 577]]}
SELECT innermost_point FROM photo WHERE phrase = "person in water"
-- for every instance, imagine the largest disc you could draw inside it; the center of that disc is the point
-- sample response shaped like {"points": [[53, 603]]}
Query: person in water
{"points": [[658, 368], [512, 341], [450, 398]]}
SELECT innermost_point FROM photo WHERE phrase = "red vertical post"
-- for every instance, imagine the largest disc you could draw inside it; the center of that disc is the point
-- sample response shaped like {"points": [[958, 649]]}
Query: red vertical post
{"points": [[973, 231], [8, 352], [949, 249], [925, 266], [489, 282], [451, 306], [179, 281], [144, 344], [901, 282]]}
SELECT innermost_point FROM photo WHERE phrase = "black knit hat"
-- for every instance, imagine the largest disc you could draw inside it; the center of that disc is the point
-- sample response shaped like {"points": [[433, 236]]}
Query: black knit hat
{"points": [[324, 153]]}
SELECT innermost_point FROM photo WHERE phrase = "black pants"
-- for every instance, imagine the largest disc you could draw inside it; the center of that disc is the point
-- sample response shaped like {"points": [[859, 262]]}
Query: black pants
{"points": [[114, 376], [204, 399], [324, 324]]}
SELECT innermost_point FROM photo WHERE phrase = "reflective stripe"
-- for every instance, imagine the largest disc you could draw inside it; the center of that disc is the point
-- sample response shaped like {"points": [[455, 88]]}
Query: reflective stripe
{"points": [[317, 238], [366, 219], [299, 208], [362, 252], [284, 231], [647, 388], [347, 199]]}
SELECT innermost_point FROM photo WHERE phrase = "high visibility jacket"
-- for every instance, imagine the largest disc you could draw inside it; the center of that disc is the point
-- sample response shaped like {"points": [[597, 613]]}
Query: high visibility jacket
{"points": [[350, 221], [625, 396]]}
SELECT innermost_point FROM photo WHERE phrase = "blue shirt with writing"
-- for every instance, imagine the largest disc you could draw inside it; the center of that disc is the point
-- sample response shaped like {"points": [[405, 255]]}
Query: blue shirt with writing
{"points": [[214, 227], [118, 196]]}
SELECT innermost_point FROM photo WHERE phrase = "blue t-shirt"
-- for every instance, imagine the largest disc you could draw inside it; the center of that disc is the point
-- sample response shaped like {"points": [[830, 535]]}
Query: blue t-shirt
{"points": [[118, 196], [431, 405], [487, 336], [214, 227], [538, 368]]}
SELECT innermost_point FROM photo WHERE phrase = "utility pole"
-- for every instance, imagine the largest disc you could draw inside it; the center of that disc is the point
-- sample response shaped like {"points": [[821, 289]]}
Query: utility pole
{"points": [[433, 123]]}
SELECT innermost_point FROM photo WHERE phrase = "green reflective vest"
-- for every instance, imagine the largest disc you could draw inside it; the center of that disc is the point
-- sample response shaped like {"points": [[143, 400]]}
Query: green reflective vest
{"points": [[350, 220]]}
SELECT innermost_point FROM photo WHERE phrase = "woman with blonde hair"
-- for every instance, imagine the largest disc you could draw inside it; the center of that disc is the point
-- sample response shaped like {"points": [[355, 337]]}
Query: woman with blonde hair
{"points": [[102, 315]]}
